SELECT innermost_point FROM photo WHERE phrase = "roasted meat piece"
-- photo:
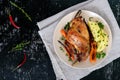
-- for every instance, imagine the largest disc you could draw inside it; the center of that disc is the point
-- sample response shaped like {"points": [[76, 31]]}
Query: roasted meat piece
{"points": [[78, 36]]}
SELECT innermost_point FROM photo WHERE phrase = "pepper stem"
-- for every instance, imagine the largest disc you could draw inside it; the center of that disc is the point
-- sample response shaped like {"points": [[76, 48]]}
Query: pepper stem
{"points": [[15, 69], [8, 11]]}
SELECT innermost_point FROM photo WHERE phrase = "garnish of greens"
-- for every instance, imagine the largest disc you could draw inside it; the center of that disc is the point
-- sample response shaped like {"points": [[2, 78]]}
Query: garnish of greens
{"points": [[100, 55], [100, 25], [20, 46], [62, 38], [15, 5], [67, 26], [61, 49]]}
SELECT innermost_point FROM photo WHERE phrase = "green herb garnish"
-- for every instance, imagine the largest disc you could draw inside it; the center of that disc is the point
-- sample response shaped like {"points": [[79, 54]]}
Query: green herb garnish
{"points": [[12, 3], [106, 45], [67, 26], [66, 54], [62, 38], [103, 54], [100, 25], [69, 59], [20, 46], [61, 49], [100, 55]]}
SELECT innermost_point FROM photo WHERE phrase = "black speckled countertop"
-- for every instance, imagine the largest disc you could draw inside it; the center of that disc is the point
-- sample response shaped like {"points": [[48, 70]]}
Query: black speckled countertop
{"points": [[38, 65]]}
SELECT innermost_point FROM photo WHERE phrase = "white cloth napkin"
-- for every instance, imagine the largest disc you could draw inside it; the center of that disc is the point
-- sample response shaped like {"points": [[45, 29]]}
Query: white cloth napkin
{"points": [[48, 25]]}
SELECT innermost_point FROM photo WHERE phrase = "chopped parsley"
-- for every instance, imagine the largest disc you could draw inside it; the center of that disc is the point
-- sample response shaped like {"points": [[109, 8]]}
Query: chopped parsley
{"points": [[61, 49], [100, 55], [100, 25], [66, 54], [103, 54], [69, 59], [62, 38], [67, 26]]}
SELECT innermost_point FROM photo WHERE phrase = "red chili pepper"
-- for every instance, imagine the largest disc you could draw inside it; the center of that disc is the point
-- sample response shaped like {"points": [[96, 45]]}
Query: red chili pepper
{"points": [[12, 22], [22, 63]]}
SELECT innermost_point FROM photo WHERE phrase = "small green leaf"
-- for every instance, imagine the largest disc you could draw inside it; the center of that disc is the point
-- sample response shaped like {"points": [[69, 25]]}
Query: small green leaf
{"points": [[61, 49], [103, 55], [98, 55], [66, 54], [62, 38], [70, 59], [67, 26], [100, 25]]}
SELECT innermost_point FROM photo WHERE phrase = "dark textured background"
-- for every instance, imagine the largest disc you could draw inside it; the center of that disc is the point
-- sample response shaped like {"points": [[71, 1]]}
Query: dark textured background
{"points": [[38, 65]]}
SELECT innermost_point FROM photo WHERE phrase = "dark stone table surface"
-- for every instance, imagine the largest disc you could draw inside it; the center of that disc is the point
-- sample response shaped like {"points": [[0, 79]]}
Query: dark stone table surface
{"points": [[38, 65]]}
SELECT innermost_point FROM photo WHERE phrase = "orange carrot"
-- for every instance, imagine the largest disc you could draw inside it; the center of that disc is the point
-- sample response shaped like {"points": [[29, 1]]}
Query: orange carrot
{"points": [[63, 32], [72, 57], [93, 52]]}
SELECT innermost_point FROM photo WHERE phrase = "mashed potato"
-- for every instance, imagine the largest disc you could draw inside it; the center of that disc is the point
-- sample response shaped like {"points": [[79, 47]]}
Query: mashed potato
{"points": [[100, 36]]}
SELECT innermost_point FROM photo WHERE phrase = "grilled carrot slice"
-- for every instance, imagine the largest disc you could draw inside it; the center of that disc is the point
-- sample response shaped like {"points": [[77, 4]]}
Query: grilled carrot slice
{"points": [[93, 52], [72, 57], [69, 50], [63, 32]]}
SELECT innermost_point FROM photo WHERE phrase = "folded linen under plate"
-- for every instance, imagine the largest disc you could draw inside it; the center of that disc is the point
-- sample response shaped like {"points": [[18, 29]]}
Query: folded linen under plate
{"points": [[48, 25]]}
